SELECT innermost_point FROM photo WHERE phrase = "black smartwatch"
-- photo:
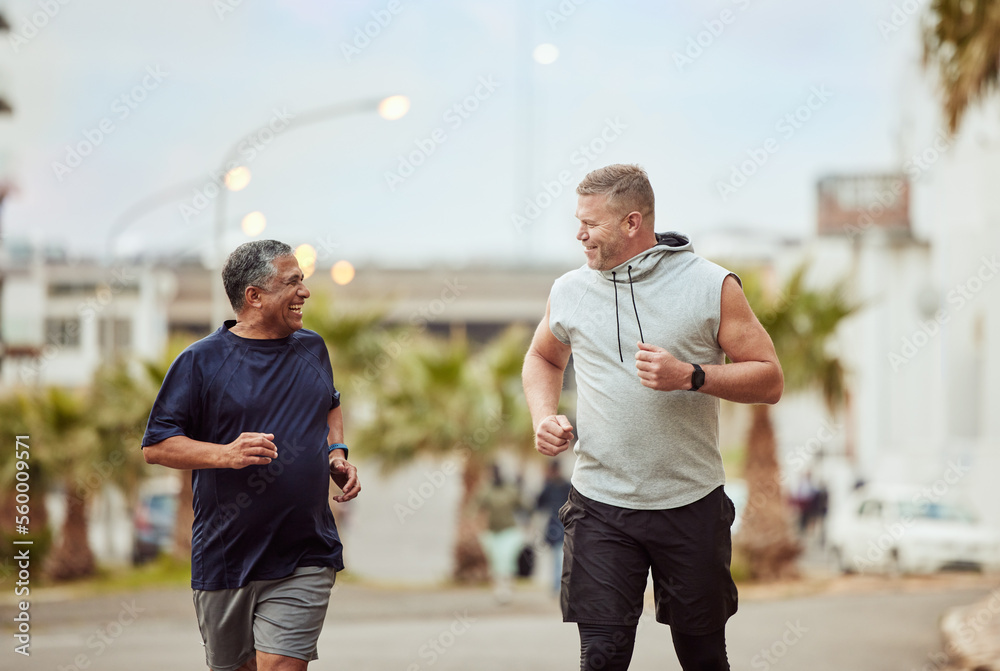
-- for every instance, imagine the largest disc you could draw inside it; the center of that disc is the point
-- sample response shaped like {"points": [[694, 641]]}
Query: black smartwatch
{"points": [[697, 378]]}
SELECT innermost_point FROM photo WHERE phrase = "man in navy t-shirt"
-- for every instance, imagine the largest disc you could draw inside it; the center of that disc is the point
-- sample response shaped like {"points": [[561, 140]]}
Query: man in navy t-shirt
{"points": [[253, 411]]}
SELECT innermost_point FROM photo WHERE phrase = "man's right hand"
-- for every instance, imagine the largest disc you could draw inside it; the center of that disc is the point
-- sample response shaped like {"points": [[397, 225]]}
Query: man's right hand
{"points": [[553, 435], [250, 449]]}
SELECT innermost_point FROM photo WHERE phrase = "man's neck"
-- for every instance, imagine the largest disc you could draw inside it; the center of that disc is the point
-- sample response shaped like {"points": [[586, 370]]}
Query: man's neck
{"points": [[247, 329]]}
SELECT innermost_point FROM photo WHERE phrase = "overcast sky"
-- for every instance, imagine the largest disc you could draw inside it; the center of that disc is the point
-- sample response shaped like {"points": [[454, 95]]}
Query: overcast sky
{"points": [[168, 88]]}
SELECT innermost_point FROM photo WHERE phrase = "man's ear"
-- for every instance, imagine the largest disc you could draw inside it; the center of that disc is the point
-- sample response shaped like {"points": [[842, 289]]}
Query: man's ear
{"points": [[633, 224], [251, 296]]}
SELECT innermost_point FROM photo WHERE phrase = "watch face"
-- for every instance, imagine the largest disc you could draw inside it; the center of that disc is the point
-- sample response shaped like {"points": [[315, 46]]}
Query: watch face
{"points": [[697, 378]]}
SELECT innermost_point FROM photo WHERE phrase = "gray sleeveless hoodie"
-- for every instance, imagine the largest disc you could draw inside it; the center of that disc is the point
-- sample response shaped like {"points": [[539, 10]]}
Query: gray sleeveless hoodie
{"points": [[637, 447]]}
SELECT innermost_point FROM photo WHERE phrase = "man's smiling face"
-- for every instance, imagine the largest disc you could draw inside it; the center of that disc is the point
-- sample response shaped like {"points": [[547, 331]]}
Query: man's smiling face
{"points": [[600, 232], [282, 300]]}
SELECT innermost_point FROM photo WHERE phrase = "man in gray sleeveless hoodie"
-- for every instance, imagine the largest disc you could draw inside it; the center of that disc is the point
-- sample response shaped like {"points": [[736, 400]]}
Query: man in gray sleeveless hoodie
{"points": [[649, 324]]}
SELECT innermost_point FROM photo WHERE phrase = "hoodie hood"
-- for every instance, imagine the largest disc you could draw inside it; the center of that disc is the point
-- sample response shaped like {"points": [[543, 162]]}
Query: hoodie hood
{"points": [[644, 262], [640, 266]]}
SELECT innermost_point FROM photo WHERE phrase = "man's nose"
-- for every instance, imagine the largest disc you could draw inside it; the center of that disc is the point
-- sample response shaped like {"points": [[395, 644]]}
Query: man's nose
{"points": [[304, 291], [582, 233]]}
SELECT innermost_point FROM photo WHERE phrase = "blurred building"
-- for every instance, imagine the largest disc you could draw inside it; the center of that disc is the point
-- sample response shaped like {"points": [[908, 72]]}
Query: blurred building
{"points": [[62, 318]]}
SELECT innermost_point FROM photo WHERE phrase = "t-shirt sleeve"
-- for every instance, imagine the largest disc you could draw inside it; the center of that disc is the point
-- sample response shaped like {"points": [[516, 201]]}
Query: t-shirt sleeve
{"points": [[557, 314], [174, 412], [324, 358]]}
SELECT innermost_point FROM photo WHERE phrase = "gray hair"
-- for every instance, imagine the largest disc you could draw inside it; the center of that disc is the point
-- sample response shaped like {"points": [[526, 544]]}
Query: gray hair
{"points": [[250, 265], [627, 188]]}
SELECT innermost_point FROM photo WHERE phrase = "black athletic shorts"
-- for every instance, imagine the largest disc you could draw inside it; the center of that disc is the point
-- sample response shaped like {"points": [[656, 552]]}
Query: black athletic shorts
{"points": [[609, 551]]}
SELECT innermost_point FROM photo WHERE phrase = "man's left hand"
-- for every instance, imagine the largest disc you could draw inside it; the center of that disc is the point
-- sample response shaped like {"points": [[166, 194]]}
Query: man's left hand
{"points": [[344, 476], [659, 369]]}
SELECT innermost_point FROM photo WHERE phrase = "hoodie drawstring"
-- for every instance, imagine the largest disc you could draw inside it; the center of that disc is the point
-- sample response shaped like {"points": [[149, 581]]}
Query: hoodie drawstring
{"points": [[634, 308], [618, 328]]}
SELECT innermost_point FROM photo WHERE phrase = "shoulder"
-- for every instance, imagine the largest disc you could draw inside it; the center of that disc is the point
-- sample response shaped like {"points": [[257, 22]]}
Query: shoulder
{"points": [[574, 282], [205, 349], [309, 339]]}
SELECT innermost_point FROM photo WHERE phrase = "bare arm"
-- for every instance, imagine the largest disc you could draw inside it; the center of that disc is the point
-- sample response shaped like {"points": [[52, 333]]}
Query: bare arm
{"points": [[542, 377], [344, 474], [184, 453], [754, 376]]}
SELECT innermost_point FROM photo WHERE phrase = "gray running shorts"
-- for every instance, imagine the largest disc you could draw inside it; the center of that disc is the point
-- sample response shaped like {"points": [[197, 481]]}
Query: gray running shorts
{"points": [[281, 617]]}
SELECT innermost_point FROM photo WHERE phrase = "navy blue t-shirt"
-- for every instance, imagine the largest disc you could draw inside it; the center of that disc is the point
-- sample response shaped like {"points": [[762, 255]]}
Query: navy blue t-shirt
{"points": [[258, 522]]}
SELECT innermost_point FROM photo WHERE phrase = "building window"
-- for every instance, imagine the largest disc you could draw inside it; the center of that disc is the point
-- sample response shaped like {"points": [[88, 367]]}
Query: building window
{"points": [[62, 332], [121, 334]]}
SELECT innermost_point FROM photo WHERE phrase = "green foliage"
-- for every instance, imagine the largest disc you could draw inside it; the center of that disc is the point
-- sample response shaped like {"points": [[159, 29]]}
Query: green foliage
{"points": [[409, 393], [962, 42], [802, 323]]}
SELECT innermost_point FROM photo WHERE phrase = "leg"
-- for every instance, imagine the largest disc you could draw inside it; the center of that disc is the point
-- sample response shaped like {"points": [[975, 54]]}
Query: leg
{"points": [[249, 665], [606, 647], [268, 662], [706, 652], [289, 618]]}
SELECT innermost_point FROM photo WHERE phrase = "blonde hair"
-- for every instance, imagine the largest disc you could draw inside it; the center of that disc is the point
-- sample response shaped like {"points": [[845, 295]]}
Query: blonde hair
{"points": [[626, 186]]}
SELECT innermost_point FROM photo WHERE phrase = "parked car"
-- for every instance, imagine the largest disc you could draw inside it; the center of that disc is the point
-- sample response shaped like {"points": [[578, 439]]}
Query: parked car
{"points": [[902, 529], [154, 518]]}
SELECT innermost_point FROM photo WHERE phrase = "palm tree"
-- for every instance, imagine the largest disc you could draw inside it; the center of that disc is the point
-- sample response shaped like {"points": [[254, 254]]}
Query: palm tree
{"points": [[802, 323], [120, 403], [14, 409], [441, 398], [66, 438], [962, 41]]}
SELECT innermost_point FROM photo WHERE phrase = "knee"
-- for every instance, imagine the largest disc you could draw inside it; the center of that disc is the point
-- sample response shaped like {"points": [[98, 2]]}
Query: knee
{"points": [[606, 647]]}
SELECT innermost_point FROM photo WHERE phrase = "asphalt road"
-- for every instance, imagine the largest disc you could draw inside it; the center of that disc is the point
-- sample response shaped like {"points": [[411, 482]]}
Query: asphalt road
{"points": [[868, 624]]}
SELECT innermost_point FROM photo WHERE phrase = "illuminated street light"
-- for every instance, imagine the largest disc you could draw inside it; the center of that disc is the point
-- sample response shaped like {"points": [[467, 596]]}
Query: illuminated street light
{"points": [[545, 54], [305, 254], [342, 272], [394, 107], [237, 178], [253, 224], [391, 108]]}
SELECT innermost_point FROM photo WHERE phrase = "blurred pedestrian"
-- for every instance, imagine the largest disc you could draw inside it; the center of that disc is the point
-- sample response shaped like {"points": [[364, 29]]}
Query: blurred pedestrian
{"points": [[253, 412], [499, 502], [552, 497], [647, 486]]}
